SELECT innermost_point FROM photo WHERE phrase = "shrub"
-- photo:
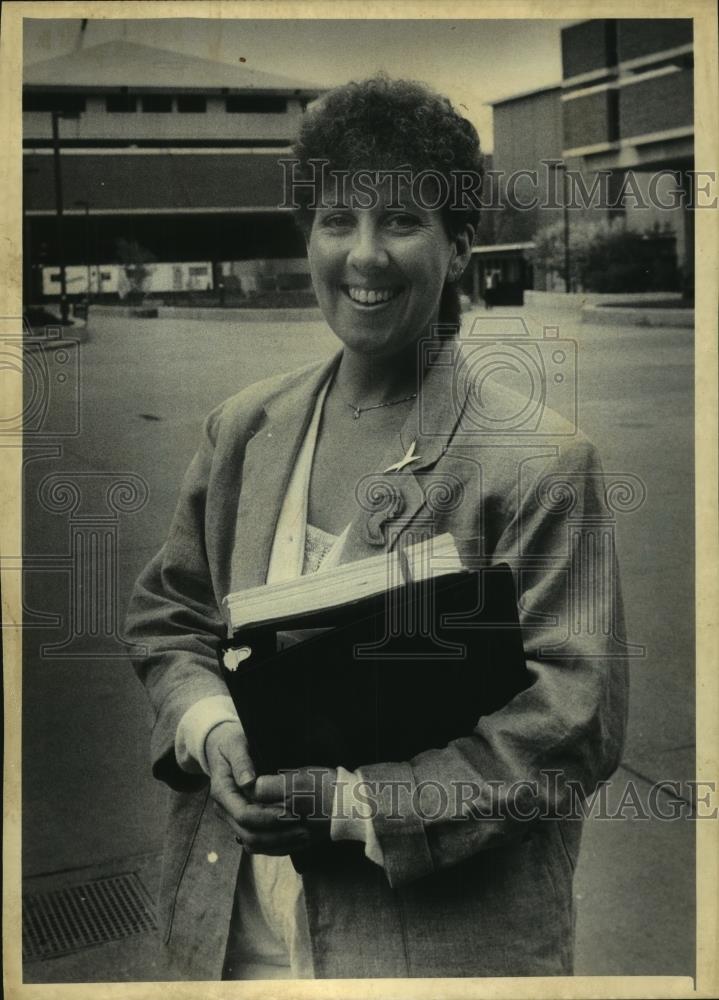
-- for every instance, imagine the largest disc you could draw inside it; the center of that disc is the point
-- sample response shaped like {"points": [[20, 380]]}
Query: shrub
{"points": [[609, 257]]}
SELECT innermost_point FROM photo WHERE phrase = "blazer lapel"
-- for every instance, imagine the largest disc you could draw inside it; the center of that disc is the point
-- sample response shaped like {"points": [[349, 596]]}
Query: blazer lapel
{"points": [[389, 501], [269, 458], [392, 500]]}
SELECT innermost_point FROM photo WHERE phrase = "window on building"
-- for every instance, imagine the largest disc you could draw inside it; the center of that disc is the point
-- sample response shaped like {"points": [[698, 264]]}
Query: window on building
{"points": [[51, 101], [198, 272], [588, 47], [255, 105], [191, 104], [644, 37], [121, 103], [156, 102]]}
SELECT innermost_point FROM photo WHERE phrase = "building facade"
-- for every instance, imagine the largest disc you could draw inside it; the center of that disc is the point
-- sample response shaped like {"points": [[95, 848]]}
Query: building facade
{"points": [[162, 157], [613, 141]]}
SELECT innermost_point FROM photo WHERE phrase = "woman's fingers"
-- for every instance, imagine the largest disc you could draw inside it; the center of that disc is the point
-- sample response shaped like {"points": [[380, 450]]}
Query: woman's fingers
{"points": [[271, 788], [226, 749], [269, 818], [265, 836], [284, 842], [230, 767], [306, 791], [254, 816], [261, 818], [225, 817], [260, 827]]}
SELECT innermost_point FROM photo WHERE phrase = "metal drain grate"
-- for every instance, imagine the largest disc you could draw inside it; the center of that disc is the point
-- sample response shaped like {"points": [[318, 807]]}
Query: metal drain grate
{"points": [[63, 921]]}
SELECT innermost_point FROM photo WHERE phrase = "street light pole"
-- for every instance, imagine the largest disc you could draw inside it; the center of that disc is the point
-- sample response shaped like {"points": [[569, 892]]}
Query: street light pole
{"points": [[27, 248], [64, 307], [565, 201]]}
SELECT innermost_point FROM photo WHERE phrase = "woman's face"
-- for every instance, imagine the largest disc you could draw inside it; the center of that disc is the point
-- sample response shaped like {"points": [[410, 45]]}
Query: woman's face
{"points": [[378, 272]]}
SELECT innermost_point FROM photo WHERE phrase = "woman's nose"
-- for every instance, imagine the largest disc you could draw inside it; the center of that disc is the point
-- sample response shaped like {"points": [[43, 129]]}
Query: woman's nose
{"points": [[367, 250]]}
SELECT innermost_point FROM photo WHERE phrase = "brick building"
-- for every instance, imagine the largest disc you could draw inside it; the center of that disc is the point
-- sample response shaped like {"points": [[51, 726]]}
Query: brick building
{"points": [[623, 112], [170, 153]]}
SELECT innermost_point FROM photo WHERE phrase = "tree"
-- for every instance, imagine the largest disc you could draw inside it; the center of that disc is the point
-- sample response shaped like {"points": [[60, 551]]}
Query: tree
{"points": [[549, 248]]}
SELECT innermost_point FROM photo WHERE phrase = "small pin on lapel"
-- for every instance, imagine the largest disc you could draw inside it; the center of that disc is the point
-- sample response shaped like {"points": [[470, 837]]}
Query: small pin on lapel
{"points": [[407, 460]]}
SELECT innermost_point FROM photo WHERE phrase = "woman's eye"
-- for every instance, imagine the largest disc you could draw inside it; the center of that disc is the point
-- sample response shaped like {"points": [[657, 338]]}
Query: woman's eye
{"points": [[338, 220], [403, 220]]}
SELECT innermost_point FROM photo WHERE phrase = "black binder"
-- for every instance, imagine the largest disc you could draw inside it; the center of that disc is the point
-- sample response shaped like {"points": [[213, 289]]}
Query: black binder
{"points": [[393, 674]]}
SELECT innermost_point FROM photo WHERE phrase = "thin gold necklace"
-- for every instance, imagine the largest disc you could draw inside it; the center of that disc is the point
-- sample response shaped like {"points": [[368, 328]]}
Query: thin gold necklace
{"points": [[357, 411]]}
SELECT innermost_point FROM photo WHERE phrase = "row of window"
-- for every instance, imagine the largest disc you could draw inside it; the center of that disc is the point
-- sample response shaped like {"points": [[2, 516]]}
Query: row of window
{"points": [[600, 44], [155, 103]]}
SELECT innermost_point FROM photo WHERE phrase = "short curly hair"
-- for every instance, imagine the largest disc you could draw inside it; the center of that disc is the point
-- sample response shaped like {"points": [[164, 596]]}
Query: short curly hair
{"points": [[383, 124]]}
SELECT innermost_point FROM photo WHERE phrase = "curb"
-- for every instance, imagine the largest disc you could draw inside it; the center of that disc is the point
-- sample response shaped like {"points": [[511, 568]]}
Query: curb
{"points": [[615, 316], [280, 315]]}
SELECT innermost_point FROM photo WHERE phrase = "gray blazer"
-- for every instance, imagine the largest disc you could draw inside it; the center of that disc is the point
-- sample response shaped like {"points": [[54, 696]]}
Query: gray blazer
{"points": [[481, 896]]}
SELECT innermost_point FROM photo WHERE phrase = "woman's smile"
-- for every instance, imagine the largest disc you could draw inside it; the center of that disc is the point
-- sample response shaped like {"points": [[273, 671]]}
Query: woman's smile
{"points": [[370, 299], [379, 272]]}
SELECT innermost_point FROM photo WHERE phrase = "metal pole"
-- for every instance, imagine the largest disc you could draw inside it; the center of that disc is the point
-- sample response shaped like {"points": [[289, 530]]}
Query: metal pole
{"points": [[27, 258], [87, 252], [565, 200], [64, 308], [27, 247]]}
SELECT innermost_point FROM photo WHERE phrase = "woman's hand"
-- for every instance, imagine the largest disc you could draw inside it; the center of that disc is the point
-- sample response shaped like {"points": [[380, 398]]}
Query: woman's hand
{"points": [[262, 828], [306, 793]]}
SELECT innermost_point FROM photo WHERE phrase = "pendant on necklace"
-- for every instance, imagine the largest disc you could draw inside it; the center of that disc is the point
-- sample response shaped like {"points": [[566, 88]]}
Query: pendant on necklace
{"points": [[357, 413]]}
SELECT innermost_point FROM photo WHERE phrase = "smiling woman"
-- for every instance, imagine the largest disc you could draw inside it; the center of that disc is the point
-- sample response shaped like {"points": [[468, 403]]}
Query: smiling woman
{"points": [[398, 149], [385, 252], [379, 273], [274, 492]]}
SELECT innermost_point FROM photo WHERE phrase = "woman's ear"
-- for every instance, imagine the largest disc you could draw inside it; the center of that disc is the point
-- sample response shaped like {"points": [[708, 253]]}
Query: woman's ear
{"points": [[462, 246]]}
